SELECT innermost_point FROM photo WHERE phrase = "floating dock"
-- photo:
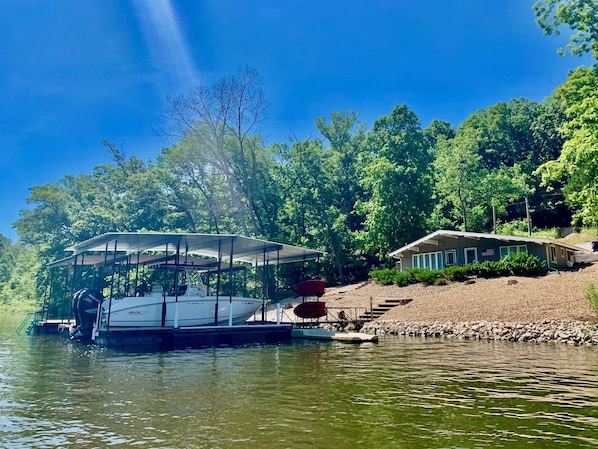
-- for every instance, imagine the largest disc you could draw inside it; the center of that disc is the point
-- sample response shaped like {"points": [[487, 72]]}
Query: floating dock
{"points": [[166, 339], [319, 333]]}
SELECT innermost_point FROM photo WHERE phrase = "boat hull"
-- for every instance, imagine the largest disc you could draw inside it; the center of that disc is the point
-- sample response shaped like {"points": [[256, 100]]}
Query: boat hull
{"points": [[180, 312]]}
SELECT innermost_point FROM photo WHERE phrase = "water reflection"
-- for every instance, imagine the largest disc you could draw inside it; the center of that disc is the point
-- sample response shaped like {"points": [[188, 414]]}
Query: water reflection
{"points": [[402, 393]]}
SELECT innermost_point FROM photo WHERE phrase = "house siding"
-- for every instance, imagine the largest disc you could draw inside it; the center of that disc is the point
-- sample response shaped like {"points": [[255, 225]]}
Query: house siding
{"points": [[488, 249]]}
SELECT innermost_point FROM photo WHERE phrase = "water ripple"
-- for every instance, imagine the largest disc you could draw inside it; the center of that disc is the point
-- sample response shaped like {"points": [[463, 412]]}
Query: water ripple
{"points": [[400, 393]]}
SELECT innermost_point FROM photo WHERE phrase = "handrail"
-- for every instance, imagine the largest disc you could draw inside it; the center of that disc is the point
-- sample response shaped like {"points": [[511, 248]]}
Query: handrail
{"points": [[30, 316], [25, 322]]}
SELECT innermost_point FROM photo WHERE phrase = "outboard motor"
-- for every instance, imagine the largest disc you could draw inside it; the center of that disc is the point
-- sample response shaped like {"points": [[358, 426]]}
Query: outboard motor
{"points": [[85, 308]]}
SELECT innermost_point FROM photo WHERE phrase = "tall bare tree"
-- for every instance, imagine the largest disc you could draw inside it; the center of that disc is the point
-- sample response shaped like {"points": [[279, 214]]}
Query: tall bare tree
{"points": [[221, 122]]}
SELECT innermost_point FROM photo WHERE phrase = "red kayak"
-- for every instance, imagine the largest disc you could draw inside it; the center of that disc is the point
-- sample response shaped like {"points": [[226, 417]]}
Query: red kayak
{"points": [[311, 287], [311, 309]]}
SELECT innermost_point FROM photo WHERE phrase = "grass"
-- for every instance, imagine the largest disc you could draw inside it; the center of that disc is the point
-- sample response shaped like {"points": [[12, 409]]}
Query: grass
{"points": [[584, 235], [591, 295]]}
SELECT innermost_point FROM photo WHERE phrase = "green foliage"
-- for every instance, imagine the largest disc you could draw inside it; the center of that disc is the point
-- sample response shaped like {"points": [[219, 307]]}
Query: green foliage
{"points": [[489, 163], [522, 264], [403, 279], [384, 276], [397, 182], [514, 227], [389, 276], [354, 193], [428, 277], [579, 15], [487, 269], [591, 295], [519, 264], [577, 165], [22, 291], [455, 273]]}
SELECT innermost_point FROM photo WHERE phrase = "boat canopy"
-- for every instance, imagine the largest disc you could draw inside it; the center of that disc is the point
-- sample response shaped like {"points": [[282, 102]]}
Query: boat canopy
{"points": [[157, 245]]}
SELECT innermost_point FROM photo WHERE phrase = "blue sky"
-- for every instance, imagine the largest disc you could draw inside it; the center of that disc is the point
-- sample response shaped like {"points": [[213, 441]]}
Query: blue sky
{"points": [[74, 72]]}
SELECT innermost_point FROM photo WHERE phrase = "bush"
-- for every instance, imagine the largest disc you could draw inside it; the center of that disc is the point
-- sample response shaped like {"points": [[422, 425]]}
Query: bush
{"points": [[389, 276], [455, 273], [486, 269], [441, 281], [384, 276], [403, 279], [424, 276], [519, 264], [522, 264], [591, 294]]}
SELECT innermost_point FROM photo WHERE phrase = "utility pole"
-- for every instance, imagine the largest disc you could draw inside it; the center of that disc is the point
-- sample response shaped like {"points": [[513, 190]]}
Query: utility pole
{"points": [[494, 218], [529, 218]]}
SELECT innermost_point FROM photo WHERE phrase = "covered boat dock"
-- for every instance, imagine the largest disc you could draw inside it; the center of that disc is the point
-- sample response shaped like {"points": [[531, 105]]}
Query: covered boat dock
{"points": [[116, 264]]}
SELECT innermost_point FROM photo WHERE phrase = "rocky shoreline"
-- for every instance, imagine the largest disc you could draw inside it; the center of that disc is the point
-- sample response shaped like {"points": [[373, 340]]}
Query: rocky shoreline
{"points": [[569, 332]]}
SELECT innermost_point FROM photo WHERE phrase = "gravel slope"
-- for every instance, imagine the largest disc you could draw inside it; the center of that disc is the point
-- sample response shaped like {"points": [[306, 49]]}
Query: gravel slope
{"points": [[555, 296]]}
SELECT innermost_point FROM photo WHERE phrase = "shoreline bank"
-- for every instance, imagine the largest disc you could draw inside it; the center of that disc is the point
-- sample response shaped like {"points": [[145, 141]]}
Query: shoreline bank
{"points": [[548, 308], [568, 332]]}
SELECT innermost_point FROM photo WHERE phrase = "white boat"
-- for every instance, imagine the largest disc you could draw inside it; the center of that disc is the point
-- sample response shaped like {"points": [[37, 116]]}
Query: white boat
{"points": [[190, 307]]}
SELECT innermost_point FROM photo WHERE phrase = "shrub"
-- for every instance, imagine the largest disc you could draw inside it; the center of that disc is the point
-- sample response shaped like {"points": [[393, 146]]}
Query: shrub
{"points": [[424, 276], [403, 279], [384, 276], [455, 273], [591, 294], [522, 264], [486, 269], [441, 281], [389, 276], [519, 264]]}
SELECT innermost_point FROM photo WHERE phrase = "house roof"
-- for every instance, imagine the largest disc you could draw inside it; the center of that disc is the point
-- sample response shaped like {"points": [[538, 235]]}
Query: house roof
{"points": [[241, 249], [431, 239]]}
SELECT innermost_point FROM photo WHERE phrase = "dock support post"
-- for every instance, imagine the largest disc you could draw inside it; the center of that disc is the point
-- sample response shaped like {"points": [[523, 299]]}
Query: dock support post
{"points": [[176, 315], [278, 313]]}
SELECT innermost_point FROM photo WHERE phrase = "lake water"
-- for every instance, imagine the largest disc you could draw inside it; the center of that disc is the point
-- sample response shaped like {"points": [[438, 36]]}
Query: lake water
{"points": [[399, 393]]}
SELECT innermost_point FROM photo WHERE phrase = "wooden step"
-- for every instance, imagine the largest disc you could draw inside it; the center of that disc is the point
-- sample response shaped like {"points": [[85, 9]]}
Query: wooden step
{"points": [[382, 308]]}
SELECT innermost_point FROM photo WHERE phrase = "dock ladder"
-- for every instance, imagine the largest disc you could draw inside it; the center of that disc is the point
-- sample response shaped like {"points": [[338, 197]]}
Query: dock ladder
{"points": [[32, 319]]}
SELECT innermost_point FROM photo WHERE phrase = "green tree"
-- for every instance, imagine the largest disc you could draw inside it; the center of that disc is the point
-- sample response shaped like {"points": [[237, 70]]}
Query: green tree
{"points": [[23, 290], [344, 162], [398, 182], [467, 190], [312, 212], [579, 15], [577, 165], [221, 123], [8, 256]]}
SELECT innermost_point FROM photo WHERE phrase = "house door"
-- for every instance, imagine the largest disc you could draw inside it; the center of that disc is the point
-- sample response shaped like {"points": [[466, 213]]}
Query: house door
{"points": [[471, 255]]}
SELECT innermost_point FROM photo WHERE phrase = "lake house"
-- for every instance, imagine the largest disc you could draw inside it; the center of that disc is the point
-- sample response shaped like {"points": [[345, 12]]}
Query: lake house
{"points": [[444, 248]]}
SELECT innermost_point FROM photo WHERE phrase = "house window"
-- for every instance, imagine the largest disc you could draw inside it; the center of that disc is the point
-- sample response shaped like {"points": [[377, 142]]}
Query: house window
{"points": [[513, 249], [429, 261], [553, 254], [450, 257], [471, 255]]}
